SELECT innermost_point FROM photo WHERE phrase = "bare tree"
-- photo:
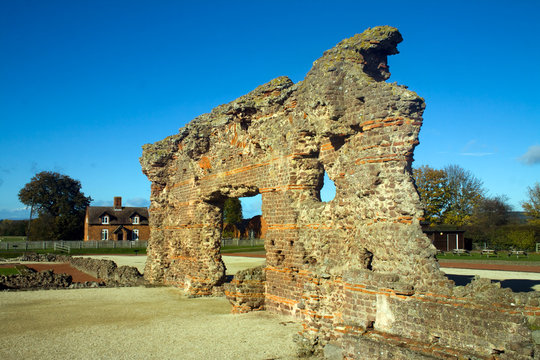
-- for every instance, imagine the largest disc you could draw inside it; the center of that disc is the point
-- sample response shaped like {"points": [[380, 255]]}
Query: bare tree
{"points": [[465, 192]]}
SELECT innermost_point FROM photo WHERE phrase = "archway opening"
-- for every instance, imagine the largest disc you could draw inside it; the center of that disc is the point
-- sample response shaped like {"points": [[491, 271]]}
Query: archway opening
{"points": [[243, 233], [242, 218]]}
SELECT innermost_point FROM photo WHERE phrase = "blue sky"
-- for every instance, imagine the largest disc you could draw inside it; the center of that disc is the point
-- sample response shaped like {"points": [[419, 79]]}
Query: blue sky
{"points": [[84, 84]]}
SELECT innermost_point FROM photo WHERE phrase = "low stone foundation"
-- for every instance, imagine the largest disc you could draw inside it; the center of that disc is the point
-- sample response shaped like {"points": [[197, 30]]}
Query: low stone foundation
{"points": [[246, 291], [380, 318], [106, 270], [30, 279]]}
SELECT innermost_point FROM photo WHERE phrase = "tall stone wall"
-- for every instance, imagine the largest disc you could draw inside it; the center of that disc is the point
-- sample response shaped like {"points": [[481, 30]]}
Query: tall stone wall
{"points": [[356, 269]]}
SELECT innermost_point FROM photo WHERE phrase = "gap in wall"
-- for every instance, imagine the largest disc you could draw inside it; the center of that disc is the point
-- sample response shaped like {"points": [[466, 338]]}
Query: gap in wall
{"points": [[328, 191]]}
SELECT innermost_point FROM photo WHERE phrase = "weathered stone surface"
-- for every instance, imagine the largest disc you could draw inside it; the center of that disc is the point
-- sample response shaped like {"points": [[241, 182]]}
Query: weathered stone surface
{"points": [[357, 270], [31, 279], [102, 269], [278, 140], [246, 291]]}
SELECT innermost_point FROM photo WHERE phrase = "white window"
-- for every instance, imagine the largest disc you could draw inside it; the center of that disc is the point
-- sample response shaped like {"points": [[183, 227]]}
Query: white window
{"points": [[105, 219], [135, 234], [104, 234], [135, 219]]}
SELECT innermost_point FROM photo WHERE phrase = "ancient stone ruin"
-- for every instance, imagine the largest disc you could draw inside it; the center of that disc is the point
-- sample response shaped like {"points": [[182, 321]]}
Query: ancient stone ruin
{"points": [[106, 271], [357, 270]]}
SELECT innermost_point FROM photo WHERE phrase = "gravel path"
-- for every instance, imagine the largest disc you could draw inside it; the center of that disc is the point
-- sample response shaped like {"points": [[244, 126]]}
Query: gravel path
{"points": [[153, 323], [136, 323]]}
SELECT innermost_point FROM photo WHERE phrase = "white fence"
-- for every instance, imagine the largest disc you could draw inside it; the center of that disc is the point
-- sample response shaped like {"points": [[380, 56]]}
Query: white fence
{"points": [[62, 247], [107, 244], [75, 244]]}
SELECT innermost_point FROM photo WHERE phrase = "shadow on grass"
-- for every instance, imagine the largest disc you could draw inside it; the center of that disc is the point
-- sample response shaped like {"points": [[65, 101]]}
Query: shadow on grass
{"points": [[516, 285]]}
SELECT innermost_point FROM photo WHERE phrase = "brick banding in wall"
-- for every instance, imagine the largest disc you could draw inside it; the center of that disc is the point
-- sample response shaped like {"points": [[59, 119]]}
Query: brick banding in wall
{"points": [[356, 270]]}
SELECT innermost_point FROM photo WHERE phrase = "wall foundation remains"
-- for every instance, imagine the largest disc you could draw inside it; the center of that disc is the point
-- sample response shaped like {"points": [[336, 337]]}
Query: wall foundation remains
{"points": [[357, 270]]}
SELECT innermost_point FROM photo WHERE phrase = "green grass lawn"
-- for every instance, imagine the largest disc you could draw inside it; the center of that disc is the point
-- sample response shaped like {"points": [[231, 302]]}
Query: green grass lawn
{"points": [[12, 238], [502, 255], [122, 251], [235, 249], [8, 271]]}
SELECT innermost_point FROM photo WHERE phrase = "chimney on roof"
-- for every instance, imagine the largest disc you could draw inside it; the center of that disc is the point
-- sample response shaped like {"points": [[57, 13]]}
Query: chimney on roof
{"points": [[117, 203]]}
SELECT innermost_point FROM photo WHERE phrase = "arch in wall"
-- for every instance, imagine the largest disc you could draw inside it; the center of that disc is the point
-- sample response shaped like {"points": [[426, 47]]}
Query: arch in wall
{"points": [[349, 268]]}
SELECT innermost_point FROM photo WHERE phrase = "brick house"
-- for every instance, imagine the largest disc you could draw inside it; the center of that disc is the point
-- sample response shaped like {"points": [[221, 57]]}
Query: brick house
{"points": [[116, 222]]}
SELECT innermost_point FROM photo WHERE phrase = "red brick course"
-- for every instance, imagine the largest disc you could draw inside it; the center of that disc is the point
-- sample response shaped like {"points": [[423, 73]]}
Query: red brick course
{"points": [[357, 270]]}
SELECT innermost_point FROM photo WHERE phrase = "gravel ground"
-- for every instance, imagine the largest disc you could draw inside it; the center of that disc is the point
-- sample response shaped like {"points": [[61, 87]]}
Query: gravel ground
{"points": [[154, 323], [138, 323]]}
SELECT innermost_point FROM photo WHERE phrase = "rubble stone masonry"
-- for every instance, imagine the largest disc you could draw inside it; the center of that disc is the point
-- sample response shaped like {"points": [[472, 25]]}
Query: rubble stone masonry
{"points": [[357, 270]]}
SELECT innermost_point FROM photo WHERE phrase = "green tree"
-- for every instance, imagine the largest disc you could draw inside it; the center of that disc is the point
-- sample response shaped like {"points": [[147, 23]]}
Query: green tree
{"points": [[449, 195], [232, 211], [432, 187], [522, 239], [43, 228], [492, 211], [489, 215], [13, 227], [532, 205], [60, 204], [465, 192]]}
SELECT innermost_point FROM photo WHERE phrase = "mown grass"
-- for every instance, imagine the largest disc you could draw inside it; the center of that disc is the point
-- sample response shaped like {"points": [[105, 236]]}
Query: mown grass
{"points": [[12, 238], [235, 249], [501, 255], [104, 251], [8, 271], [101, 251], [120, 251]]}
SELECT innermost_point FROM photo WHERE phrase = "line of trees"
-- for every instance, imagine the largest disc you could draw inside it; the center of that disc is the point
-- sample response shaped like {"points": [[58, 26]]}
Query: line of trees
{"points": [[453, 197], [13, 227]]}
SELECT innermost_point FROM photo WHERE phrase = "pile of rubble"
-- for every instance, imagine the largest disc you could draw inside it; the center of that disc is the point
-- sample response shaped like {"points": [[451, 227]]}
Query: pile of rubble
{"points": [[107, 271]]}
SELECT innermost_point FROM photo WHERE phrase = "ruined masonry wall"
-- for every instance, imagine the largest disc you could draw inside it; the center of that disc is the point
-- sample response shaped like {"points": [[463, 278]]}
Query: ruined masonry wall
{"points": [[356, 270]]}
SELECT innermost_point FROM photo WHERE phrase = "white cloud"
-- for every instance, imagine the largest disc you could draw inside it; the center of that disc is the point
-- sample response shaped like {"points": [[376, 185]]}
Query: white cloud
{"points": [[532, 156], [474, 148], [469, 145]]}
